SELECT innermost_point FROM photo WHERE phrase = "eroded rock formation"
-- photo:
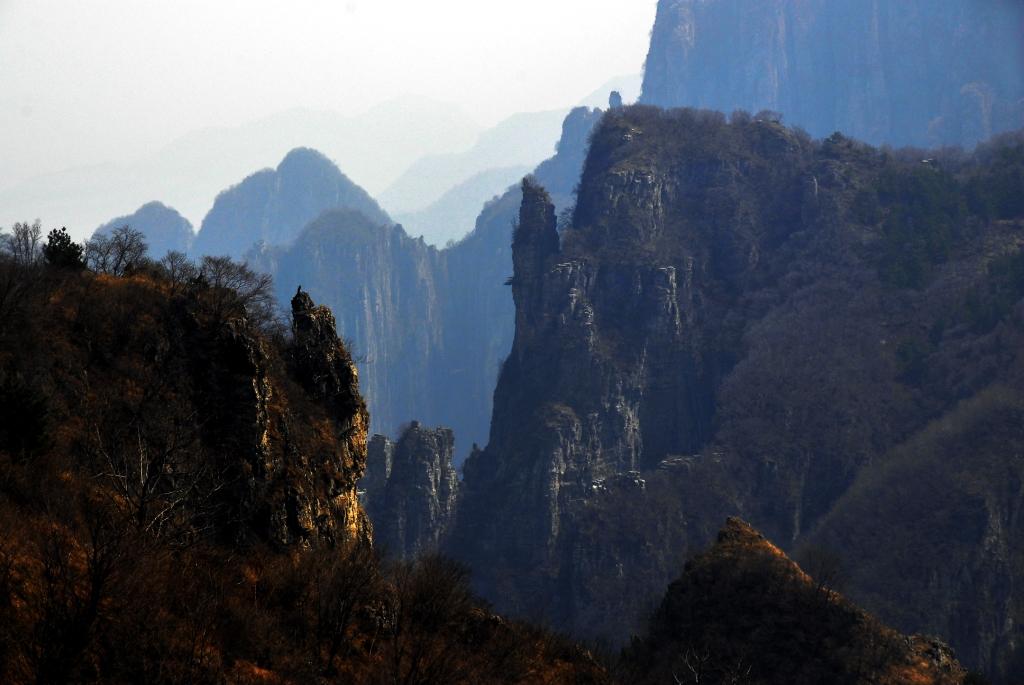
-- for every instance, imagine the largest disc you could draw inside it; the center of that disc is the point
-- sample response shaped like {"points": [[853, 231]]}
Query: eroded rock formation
{"points": [[414, 508], [741, 320]]}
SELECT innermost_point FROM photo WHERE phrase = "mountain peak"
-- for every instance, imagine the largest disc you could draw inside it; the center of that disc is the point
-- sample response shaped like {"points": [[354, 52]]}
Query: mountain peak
{"points": [[304, 159], [274, 205], [163, 228]]}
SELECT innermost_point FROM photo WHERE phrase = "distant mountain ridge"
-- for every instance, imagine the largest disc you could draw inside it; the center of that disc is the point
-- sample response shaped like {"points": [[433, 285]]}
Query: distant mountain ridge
{"points": [[163, 227], [374, 147], [523, 139], [454, 214], [274, 205]]}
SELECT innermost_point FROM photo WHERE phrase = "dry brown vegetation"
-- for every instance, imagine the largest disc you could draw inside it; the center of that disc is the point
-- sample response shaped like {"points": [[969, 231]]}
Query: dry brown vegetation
{"points": [[134, 545]]}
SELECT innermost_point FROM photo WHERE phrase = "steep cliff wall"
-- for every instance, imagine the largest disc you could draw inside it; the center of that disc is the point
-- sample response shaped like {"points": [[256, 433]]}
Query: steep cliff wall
{"points": [[906, 73], [386, 290], [423, 321], [414, 508], [738, 319]]}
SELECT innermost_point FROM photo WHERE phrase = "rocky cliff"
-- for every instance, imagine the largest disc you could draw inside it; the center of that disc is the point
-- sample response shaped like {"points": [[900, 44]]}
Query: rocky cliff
{"points": [[907, 73], [202, 424], [413, 506], [386, 290], [419, 318], [273, 205], [737, 320]]}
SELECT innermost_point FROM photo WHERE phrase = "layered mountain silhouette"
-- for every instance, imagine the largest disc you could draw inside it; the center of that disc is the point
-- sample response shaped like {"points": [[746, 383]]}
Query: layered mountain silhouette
{"points": [[273, 205]]}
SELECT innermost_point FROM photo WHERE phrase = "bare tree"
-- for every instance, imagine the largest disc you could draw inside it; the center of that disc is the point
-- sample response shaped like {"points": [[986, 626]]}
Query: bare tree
{"points": [[340, 581], [159, 489], [78, 575], [825, 566], [24, 243], [237, 290], [118, 253], [695, 666], [179, 269], [430, 597]]}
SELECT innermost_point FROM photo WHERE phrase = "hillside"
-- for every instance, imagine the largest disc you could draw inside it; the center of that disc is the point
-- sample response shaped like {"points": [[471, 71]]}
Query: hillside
{"points": [[742, 320], [178, 504], [523, 139], [742, 612], [453, 215]]}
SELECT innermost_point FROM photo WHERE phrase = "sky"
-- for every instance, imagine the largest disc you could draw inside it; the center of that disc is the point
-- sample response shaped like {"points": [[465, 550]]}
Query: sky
{"points": [[90, 81]]}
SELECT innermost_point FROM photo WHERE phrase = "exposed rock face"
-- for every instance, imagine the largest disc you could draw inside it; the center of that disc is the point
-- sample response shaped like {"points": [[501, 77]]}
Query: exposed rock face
{"points": [[204, 426], [273, 205], [743, 612], [414, 509], [325, 369], [165, 230], [419, 318], [291, 455], [904, 73], [738, 319], [386, 290]]}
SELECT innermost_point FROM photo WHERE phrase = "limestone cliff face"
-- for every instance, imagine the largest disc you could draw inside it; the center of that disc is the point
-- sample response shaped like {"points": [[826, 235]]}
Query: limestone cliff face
{"points": [[289, 447], [414, 507], [420, 318], [737, 320], [324, 367], [385, 290], [905, 73]]}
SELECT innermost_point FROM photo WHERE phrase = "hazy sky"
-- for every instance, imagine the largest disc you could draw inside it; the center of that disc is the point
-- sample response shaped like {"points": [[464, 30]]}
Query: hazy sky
{"points": [[83, 81]]}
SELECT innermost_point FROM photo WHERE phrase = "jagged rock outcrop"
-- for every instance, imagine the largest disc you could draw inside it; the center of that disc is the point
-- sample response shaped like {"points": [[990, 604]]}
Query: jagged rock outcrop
{"points": [[204, 425], [387, 292], [164, 229], [737, 320], [273, 205], [414, 508], [744, 612], [904, 73], [419, 318]]}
